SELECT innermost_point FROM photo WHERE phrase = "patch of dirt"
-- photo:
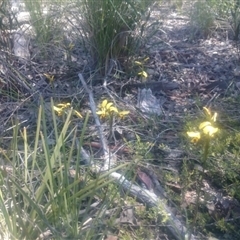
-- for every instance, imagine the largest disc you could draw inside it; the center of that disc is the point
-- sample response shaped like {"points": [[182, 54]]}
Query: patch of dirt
{"points": [[201, 67]]}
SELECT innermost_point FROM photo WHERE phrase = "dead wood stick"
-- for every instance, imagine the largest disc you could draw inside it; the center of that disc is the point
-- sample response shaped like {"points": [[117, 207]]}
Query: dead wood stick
{"points": [[152, 200], [109, 158]]}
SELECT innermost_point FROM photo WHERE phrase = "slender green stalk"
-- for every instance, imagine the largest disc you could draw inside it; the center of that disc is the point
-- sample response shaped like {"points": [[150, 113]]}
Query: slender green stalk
{"points": [[200, 179]]}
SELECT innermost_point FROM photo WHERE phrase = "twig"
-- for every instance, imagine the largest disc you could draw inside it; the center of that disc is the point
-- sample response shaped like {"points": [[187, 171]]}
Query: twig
{"points": [[108, 157]]}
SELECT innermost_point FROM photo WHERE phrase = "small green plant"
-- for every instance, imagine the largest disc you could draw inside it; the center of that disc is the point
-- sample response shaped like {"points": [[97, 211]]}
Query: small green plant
{"points": [[206, 132], [141, 72], [45, 19], [202, 17], [206, 14], [44, 192]]}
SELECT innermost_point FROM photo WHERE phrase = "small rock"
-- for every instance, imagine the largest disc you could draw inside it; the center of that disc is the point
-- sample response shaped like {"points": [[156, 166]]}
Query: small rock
{"points": [[236, 71], [217, 68], [150, 71]]}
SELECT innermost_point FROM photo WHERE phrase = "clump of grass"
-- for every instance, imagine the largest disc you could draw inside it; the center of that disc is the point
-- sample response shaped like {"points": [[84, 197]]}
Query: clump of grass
{"points": [[6, 25], [45, 19], [110, 27], [206, 15], [235, 14], [43, 192], [41, 23], [201, 18]]}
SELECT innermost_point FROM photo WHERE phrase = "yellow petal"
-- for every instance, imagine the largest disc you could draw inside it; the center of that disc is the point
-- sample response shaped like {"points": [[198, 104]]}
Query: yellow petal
{"points": [[210, 130], [207, 111], [104, 103], [138, 63], [63, 105], [100, 112], [78, 114], [108, 106], [143, 74], [214, 117], [204, 124], [113, 109], [123, 113], [194, 134], [58, 110]]}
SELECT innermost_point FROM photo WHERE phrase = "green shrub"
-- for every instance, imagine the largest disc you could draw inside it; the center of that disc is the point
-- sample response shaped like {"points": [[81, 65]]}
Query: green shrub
{"points": [[202, 17], [110, 27], [44, 189], [45, 18], [206, 14]]}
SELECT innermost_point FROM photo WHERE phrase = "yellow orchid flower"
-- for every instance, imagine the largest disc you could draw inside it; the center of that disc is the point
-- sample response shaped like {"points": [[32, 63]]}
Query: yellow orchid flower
{"points": [[106, 108], [49, 77], [143, 74], [206, 127], [62, 106]]}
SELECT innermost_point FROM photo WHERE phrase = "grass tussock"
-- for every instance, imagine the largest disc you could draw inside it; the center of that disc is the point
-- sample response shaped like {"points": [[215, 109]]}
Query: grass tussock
{"points": [[111, 27]]}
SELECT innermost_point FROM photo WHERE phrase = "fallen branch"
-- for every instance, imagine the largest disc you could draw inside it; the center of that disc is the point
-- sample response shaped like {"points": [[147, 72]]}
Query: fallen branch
{"points": [[109, 159], [152, 200], [143, 195]]}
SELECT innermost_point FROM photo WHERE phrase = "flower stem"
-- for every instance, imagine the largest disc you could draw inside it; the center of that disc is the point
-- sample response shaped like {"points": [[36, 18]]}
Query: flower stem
{"points": [[200, 179]]}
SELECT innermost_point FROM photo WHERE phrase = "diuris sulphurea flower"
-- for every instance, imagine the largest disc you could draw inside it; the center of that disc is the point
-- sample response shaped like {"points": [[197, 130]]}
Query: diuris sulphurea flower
{"points": [[62, 107], [206, 128], [107, 110]]}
